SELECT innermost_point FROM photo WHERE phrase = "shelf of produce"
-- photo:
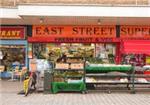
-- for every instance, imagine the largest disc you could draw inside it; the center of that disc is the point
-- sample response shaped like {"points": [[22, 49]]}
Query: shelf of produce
{"points": [[69, 69], [70, 76], [108, 82], [64, 86], [105, 75], [141, 83], [141, 76], [73, 76]]}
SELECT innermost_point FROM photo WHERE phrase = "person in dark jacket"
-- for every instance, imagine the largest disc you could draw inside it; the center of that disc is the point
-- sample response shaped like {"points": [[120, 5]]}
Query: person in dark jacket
{"points": [[34, 78]]}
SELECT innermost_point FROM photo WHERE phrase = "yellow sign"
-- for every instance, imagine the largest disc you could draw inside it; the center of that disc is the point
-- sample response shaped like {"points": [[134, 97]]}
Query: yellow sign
{"points": [[148, 60]]}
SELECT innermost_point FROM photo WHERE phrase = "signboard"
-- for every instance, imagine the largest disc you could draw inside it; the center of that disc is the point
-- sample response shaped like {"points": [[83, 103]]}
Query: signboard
{"points": [[73, 33], [142, 32], [12, 32], [73, 40]]}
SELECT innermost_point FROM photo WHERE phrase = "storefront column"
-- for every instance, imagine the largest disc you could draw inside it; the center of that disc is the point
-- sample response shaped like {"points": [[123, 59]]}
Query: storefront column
{"points": [[118, 53]]}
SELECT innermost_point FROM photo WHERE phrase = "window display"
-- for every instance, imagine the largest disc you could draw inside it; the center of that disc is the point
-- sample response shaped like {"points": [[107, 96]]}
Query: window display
{"points": [[106, 52], [12, 55], [39, 49], [55, 52], [136, 59], [58, 52], [78, 50]]}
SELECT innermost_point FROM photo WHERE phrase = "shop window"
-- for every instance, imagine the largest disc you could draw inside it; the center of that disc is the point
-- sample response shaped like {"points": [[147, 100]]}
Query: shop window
{"points": [[39, 50], [12, 55], [100, 53], [78, 50], [55, 51], [106, 52], [135, 59]]}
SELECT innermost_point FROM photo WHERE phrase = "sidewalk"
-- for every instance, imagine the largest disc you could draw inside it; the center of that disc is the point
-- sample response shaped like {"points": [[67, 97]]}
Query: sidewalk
{"points": [[10, 89]]}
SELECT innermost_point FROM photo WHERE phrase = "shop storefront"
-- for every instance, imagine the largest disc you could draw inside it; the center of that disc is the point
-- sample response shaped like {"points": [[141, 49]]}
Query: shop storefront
{"points": [[90, 42], [68, 47], [135, 44], [13, 47]]}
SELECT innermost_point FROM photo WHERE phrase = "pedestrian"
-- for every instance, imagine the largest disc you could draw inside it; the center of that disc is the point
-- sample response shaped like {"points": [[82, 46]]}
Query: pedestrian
{"points": [[34, 80]]}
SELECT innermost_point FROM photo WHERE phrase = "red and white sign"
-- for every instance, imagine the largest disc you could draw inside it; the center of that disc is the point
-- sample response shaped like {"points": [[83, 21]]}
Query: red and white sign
{"points": [[140, 32], [73, 34], [12, 32]]}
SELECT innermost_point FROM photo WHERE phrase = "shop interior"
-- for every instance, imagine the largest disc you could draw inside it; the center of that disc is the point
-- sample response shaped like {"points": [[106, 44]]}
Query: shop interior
{"points": [[11, 56], [99, 52], [136, 59]]}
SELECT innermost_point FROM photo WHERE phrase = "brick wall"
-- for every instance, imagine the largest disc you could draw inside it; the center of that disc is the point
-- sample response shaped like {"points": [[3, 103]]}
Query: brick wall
{"points": [[121, 2]]}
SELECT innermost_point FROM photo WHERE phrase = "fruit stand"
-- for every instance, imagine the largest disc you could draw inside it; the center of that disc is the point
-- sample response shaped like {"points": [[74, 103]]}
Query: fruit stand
{"points": [[68, 77], [141, 80], [64, 86], [98, 75]]}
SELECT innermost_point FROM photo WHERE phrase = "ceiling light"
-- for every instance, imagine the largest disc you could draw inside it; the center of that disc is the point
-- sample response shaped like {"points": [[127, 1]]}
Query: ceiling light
{"points": [[98, 21], [41, 20]]}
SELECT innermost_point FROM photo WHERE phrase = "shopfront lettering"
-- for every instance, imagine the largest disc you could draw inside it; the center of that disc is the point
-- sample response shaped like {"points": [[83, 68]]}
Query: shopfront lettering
{"points": [[80, 31], [12, 32], [103, 40], [64, 39], [84, 40], [48, 30], [92, 31], [37, 30], [9, 33], [135, 31]]}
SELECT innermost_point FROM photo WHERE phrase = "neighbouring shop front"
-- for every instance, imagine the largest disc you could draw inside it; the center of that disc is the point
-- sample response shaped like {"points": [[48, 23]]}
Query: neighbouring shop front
{"points": [[135, 45], [13, 47]]}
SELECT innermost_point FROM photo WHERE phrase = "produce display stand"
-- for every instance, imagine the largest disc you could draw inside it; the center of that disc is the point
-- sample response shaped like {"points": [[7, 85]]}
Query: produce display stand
{"points": [[66, 79], [101, 72], [101, 69], [78, 79], [138, 85], [64, 86], [144, 84]]}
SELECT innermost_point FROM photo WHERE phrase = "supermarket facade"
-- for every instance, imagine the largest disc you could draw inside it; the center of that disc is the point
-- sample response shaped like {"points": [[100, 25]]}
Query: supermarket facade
{"points": [[121, 37]]}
